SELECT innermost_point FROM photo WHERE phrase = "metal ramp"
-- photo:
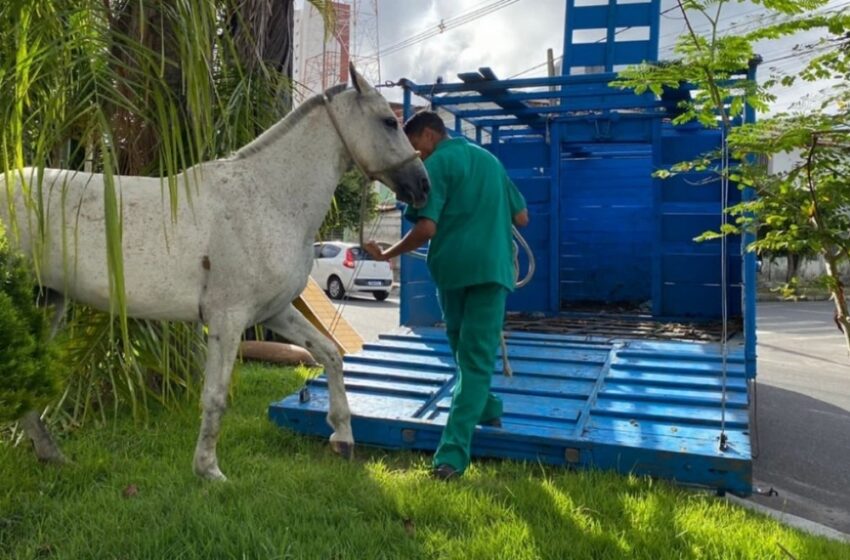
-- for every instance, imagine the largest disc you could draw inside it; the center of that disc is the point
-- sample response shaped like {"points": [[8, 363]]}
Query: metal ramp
{"points": [[634, 406]]}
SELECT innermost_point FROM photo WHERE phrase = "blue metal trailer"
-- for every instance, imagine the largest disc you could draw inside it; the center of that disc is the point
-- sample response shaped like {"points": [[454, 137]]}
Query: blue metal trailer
{"points": [[616, 342]]}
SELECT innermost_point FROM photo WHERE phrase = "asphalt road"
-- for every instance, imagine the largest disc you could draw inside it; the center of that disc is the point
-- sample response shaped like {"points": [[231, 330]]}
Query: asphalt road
{"points": [[370, 318], [803, 412]]}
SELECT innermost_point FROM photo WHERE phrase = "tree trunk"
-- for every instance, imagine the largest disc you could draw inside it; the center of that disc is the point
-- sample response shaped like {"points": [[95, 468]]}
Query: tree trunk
{"points": [[793, 260], [839, 296], [89, 155], [263, 33], [275, 352], [137, 142]]}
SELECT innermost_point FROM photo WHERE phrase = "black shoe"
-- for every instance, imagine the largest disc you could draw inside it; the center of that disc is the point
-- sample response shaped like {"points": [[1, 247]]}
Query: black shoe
{"points": [[445, 472], [494, 423]]}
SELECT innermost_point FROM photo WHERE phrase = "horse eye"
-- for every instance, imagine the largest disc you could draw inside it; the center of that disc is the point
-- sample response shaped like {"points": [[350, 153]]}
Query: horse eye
{"points": [[391, 122]]}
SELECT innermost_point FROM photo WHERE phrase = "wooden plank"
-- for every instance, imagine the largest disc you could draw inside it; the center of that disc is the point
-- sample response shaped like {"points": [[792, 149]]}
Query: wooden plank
{"points": [[318, 309]]}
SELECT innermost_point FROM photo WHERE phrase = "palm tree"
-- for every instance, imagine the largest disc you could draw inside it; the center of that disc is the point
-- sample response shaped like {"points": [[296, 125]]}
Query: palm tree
{"points": [[136, 87]]}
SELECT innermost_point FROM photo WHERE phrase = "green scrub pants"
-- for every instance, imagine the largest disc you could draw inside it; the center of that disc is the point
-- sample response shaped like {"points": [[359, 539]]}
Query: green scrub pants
{"points": [[474, 318]]}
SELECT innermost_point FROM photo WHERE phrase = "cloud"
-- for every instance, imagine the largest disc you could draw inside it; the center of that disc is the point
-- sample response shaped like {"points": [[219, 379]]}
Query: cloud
{"points": [[508, 40]]}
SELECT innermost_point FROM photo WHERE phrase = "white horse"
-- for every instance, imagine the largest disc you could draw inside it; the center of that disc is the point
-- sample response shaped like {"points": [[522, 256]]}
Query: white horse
{"points": [[238, 254]]}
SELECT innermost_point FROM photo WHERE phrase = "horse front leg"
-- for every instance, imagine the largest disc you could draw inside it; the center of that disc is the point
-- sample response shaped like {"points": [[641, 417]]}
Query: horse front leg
{"points": [[291, 325], [44, 445], [225, 331]]}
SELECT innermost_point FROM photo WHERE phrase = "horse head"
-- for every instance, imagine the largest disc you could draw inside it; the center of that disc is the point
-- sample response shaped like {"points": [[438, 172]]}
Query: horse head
{"points": [[376, 142]]}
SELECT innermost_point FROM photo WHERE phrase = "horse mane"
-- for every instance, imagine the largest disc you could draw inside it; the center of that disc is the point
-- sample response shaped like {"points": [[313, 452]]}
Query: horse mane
{"points": [[286, 123]]}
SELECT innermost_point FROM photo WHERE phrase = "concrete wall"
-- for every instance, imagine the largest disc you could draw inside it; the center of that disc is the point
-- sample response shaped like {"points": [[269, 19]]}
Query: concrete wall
{"points": [[774, 271]]}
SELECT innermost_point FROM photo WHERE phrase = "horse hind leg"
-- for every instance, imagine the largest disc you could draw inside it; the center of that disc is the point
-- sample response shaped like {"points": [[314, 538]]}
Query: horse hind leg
{"points": [[222, 345], [506, 363], [291, 325], [60, 308], [44, 445]]}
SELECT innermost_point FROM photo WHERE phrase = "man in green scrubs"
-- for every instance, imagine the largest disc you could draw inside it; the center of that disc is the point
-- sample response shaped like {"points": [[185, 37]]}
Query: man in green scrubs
{"points": [[468, 217]]}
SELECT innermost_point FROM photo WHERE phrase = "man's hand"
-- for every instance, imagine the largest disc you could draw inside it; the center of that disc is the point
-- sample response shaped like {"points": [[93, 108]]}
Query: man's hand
{"points": [[521, 218], [424, 230], [375, 251]]}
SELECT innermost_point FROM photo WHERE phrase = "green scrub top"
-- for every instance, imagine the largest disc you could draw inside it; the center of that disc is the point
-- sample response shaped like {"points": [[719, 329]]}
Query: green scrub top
{"points": [[473, 202]]}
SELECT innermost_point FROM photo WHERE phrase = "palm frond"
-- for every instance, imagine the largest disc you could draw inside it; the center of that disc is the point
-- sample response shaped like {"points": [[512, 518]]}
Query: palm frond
{"points": [[133, 87]]}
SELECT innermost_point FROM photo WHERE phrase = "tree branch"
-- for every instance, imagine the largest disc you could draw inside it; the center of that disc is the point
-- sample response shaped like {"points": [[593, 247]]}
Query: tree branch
{"points": [[810, 162], [712, 84]]}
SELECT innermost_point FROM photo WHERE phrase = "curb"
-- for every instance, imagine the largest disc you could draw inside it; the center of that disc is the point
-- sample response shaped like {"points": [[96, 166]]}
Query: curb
{"points": [[801, 299], [791, 520]]}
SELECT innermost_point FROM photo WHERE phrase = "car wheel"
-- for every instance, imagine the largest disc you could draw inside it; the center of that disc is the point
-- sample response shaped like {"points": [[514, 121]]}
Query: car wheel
{"points": [[381, 296], [335, 288]]}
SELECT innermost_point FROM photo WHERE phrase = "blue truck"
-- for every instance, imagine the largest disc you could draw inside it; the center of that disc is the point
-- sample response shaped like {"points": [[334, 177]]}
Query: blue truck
{"points": [[634, 346]]}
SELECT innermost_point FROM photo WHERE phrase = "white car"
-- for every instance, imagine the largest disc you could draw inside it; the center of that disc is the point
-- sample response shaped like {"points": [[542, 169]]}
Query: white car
{"points": [[342, 268]]}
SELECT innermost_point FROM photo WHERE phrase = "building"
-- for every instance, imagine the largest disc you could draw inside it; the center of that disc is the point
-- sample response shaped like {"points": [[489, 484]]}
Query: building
{"points": [[320, 60]]}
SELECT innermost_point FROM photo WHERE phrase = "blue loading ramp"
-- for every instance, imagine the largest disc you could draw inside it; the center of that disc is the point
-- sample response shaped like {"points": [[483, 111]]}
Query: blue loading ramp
{"points": [[635, 406], [606, 236]]}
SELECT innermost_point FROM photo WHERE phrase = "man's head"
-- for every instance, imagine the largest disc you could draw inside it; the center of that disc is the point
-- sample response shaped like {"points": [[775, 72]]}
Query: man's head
{"points": [[425, 130]]}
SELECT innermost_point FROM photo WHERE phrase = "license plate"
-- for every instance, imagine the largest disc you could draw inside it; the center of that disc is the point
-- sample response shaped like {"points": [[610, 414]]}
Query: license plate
{"points": [[375, 283]]}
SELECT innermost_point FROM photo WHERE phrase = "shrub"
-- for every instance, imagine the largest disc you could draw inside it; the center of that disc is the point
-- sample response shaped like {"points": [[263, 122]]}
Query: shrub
{"points": [[29, 376]]}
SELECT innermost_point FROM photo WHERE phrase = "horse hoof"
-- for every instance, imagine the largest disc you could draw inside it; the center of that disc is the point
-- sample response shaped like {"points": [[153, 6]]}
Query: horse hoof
{"points": [[209, 473], [344, 449], [213, 475], [57, 460]]}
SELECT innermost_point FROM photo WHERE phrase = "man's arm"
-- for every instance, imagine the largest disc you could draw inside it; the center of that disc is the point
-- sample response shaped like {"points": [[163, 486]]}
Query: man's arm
{"points": [[519, 209], [421, 233]]}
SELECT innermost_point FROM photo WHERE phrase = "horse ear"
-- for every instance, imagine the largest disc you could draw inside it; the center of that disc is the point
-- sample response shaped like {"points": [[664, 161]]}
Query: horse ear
{"points": [[360, 84]]}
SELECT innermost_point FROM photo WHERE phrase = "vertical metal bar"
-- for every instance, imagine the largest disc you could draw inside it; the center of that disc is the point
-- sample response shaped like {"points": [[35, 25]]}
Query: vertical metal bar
{"points": [[657, 184], [406, 109], [405, 276], [567, 59], [654, 29], [724, 278], [404, 273], [554, 217], [750, 270], [658, 211], [610, 38], [550, 71]]}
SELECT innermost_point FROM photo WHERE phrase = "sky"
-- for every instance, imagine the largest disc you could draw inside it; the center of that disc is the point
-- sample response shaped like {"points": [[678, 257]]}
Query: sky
{"points": [[514, 39]]}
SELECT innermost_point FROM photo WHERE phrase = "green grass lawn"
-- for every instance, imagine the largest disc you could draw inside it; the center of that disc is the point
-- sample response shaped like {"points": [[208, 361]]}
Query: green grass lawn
{"points": [[131, 494]]}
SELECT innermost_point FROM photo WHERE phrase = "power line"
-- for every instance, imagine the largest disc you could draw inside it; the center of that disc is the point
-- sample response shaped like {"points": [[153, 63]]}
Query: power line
{"points": [[705, 27], [800, 53], [527, 70], [755, 24], [793, 55], [446, 25]]}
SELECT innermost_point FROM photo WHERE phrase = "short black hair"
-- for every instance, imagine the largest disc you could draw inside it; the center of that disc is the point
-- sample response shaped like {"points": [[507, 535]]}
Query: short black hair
{"points": [[422, 120]]}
